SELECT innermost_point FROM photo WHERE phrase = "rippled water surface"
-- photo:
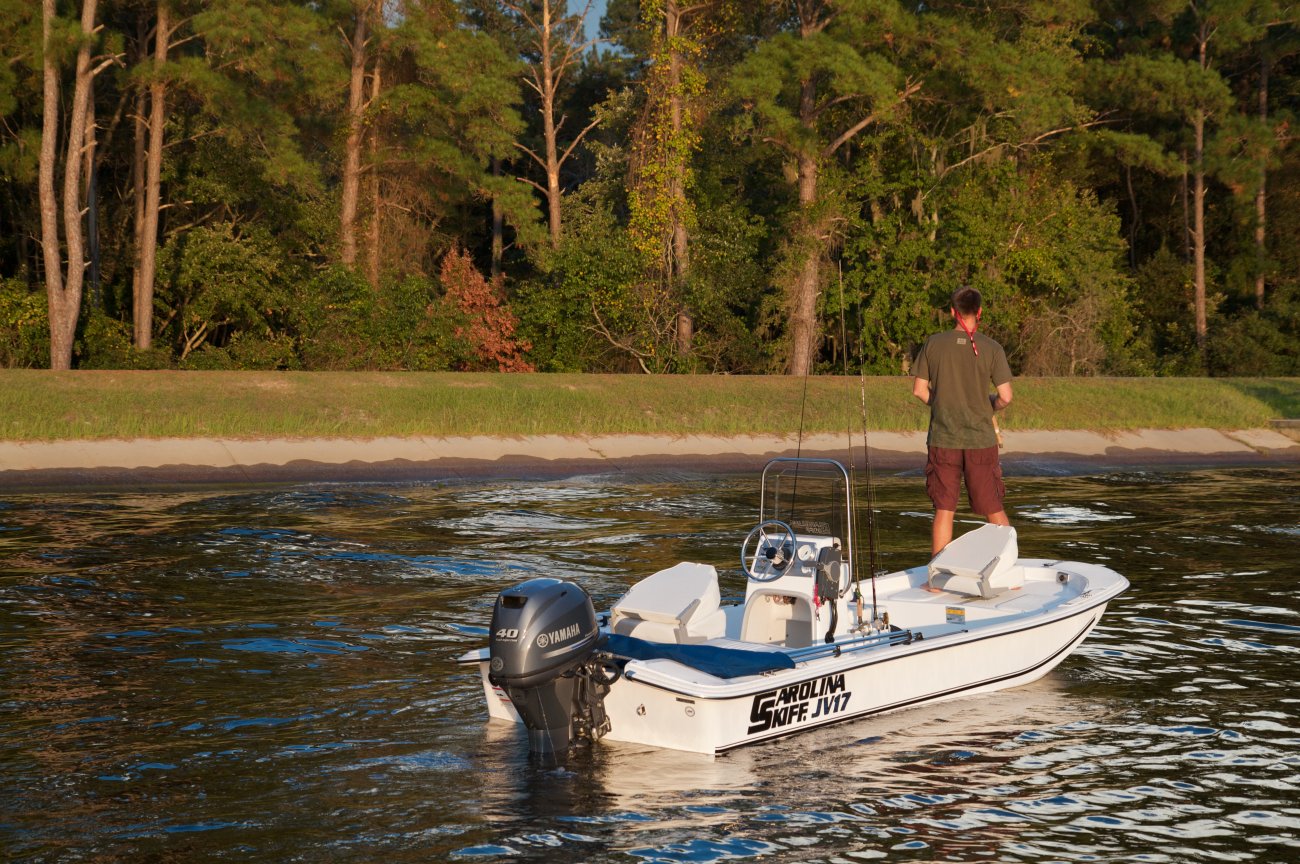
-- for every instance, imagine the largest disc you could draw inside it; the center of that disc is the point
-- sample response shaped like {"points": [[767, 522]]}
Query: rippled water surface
{"points": [[268, 675]]}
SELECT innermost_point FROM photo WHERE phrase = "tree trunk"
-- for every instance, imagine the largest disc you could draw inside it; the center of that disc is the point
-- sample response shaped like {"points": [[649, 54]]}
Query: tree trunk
{"points": [[50, 246], [1186, 197], [556, 57], [352, 147], [64, 292], [549, 133], [1198, 215], [89, 193], [138, 169], [803, 304], [1261, 209], [1135, 214], [498, 226], [376, 192], [152, 185], [680, 265], [1198, 231]]}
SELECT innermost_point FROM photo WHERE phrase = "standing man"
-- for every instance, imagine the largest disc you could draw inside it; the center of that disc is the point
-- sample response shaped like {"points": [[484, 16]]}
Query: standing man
{"points": [[953, 372]]}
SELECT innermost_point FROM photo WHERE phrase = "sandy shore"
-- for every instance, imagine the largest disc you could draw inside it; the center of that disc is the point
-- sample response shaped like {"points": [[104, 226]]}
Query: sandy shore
{"points": [[185, 461]]}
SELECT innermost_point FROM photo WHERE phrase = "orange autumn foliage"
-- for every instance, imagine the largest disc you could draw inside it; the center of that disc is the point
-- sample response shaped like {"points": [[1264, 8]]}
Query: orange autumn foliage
{"points": [[486, 324]]}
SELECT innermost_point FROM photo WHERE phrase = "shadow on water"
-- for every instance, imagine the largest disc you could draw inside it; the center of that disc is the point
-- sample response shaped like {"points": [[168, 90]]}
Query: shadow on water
{"points": [[269, 675]]}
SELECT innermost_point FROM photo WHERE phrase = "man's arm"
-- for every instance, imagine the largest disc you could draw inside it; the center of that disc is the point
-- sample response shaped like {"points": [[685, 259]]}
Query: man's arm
{"points": [[921, 390], [1002, 398]]}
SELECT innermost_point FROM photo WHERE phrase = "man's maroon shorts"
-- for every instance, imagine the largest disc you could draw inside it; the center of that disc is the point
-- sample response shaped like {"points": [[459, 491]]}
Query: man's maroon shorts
{"points": [[944, 469]]}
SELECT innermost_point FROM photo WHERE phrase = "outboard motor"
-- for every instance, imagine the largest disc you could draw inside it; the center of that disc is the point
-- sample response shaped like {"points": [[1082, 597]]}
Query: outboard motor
{"points": [[542, 653]]}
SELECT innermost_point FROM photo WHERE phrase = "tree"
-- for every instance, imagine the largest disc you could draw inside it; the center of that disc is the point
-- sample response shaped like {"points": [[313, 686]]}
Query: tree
{"points": [[791, 185], [1250, 138], [1178, 117], [20, 99], [365, 21], [63, 288], [149, 188], [554, 46], [483, 323], [445, 112], [1207, 18], [245, 86], [812, 90], [664, 146]]}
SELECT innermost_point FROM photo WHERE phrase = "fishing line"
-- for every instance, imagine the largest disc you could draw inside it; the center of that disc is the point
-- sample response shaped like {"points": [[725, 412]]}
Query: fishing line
{"points": [[856, 568], [798, 452], [872, 560]]}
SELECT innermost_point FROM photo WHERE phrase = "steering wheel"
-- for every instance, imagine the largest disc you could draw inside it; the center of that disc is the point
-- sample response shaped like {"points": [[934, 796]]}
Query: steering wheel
{"points": [[762, 540]]}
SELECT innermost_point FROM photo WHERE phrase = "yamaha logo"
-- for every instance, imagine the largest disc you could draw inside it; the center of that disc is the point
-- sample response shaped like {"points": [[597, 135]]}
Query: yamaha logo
{"points": [[555, 637]]}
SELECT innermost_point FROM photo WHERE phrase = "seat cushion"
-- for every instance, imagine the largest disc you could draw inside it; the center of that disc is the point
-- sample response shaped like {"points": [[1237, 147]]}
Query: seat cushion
{"points": [[980, 562], [675, 596]]}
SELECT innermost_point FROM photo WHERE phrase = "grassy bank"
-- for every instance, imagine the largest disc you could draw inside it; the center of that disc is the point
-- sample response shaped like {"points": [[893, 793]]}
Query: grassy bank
{"points": [[45, 406]]}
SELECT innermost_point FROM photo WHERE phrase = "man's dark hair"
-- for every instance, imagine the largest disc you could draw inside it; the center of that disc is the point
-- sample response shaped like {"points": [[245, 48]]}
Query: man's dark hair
{"points": [[967, 300]]}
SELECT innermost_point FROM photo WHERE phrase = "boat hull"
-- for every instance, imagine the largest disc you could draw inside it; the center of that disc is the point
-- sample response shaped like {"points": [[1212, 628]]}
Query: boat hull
{"points": [[652, 706], [833, 690]]}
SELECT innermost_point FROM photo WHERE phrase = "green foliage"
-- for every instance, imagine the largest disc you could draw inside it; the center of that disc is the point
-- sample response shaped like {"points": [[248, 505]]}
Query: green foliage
{"points": [[1048, 259], [24, 326], [726, 282], [585, 294], [1164, 305], [20, 41], [344, 324], [243, 351], [459, 322], [449, 109], [1043, 151], [1260, 343], [105, 343], [1055, 293], [223, 281], [659, 196], [1154, 87]]}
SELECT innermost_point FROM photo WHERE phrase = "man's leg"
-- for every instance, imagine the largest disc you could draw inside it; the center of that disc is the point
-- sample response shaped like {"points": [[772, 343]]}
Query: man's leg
{"points": [[943, 470], [941, 533], [984, 485]]}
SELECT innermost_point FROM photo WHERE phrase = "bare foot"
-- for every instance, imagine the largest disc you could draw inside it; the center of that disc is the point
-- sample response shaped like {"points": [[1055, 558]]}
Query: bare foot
{"points": [[932, 589]]}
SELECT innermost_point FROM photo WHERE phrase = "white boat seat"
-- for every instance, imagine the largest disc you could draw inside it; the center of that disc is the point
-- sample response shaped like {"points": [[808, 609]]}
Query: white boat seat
{"points": [[677, 605], [980, 563]]}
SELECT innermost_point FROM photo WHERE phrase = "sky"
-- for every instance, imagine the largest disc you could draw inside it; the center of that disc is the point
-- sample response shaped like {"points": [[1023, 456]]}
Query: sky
{"points": [[593, 17]]}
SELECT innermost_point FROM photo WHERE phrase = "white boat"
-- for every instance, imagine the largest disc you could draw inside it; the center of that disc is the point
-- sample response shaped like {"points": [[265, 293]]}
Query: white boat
{"points": [[670, 665]]}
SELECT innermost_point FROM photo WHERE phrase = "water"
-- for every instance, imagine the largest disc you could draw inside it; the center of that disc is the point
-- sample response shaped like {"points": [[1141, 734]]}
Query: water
{"points": [[267, 675]]}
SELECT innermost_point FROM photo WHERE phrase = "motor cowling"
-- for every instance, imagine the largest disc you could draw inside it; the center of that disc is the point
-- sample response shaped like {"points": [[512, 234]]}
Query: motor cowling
{"points": [[544, 636]]}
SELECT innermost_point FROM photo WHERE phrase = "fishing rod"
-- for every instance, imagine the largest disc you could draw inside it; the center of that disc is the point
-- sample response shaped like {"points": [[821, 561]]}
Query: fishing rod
{"points": [[871, 538]]}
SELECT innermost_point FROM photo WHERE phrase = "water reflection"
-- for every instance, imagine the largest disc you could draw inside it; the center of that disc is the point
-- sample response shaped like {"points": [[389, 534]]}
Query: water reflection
{"points": [[267, 675]]}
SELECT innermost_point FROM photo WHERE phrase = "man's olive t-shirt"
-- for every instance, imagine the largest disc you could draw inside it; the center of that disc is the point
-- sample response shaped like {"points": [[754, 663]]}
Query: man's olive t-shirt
{"points": [[960, 414]]}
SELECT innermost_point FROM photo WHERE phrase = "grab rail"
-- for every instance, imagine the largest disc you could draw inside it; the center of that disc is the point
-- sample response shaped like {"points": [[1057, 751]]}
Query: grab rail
{"points": [[835, 649]]}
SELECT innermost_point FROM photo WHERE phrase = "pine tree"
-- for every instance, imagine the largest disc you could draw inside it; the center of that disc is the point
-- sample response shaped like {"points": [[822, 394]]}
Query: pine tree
{"points": [[362, 53], [812, 90], [149, 187], [64, 288], [554, 44]]}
